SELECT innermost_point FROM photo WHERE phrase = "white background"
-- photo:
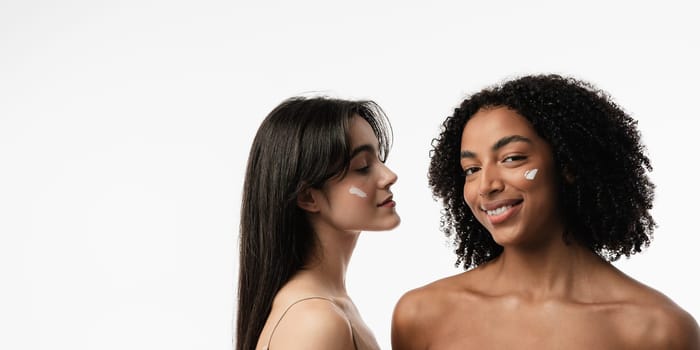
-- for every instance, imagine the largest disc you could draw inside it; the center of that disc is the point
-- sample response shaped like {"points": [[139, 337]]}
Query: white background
{"points": [[125, 127]]}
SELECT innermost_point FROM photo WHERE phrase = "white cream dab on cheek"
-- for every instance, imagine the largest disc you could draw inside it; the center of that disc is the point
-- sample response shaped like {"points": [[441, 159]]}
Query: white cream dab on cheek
{"points": [[358, 192], [530, 174]]}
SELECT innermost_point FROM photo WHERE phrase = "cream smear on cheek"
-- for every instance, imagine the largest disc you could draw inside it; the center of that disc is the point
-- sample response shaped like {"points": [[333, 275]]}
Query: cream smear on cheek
{"points": [[358, 192], [530, 174]]}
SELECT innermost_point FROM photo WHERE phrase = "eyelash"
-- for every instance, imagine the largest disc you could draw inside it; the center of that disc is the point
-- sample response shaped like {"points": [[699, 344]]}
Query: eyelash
{"points": [[466, 172], [514, 158], [471, 170], [363, 170], [368, 167]]}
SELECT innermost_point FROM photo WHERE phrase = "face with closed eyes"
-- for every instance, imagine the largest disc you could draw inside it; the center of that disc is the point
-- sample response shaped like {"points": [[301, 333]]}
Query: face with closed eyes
{"points": [[500, 151], [361, 200]]}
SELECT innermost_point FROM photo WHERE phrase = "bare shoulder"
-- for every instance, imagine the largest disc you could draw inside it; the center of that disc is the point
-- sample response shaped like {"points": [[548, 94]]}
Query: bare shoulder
{"points": [[677, 329], [428, 299], [419, 310], [656, 322], [313, 324], [669, 326]]}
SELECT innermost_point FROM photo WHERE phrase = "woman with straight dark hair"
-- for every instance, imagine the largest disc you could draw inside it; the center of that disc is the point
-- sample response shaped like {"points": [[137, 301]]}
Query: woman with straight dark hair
{"points": [[315, 179]]}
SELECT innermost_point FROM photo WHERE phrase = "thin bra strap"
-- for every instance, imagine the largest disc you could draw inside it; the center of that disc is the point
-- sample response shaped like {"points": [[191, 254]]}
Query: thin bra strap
{"points": [[352, 334]]}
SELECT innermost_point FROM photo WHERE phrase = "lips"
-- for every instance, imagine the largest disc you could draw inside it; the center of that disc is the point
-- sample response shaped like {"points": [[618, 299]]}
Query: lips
{"points": [[499, 211], [388, 202], [497, 205]]}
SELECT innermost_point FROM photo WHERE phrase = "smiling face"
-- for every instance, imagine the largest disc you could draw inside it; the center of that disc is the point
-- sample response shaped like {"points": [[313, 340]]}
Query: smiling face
{"points": [[362, 199], [510, 179]]}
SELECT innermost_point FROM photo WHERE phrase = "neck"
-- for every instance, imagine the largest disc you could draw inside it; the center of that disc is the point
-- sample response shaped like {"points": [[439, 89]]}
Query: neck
{"points": [[553, 270], [329, 261]]}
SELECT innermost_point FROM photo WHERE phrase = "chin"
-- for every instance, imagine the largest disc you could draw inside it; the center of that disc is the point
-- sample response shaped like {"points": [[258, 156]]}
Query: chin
{"points": [[396, 222], [387, 225], [506, 238]]}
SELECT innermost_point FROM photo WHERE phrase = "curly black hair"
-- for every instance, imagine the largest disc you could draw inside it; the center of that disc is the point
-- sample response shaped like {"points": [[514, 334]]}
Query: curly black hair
{"points": [[595, 145]]}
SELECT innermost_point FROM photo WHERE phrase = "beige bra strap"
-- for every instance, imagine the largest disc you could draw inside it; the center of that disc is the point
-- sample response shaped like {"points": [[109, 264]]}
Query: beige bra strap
{"points": [[299, 301]]}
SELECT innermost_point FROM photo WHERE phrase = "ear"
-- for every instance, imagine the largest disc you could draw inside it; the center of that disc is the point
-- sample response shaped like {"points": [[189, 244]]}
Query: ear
{"points": [[568, 175], [307, 201]]}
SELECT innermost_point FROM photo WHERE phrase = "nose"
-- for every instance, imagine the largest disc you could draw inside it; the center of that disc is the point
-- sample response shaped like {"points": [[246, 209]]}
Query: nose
{"points": [[489, 182], [388, 177]]}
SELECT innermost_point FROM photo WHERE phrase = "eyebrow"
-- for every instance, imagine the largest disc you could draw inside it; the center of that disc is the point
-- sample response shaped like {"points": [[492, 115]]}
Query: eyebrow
{"points": [[499, 144], [362, 148]]}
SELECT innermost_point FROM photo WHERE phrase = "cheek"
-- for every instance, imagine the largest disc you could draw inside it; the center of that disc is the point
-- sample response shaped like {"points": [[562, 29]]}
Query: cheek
{"points": [[526, 179], [530, 174], [357, 192], [470, 194]]}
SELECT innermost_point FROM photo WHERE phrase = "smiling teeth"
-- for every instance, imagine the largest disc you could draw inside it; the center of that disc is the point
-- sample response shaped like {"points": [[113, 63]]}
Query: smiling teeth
{"points": [[498, 211]]}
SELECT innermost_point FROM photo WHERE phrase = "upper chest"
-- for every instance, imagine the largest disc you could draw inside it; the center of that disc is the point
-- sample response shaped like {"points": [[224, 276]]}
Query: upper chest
{"points": [[505, 324]]}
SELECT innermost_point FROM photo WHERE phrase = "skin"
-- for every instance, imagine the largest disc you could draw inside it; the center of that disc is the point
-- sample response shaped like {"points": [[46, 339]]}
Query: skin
{"points": [[540, 293], [337, 217]]}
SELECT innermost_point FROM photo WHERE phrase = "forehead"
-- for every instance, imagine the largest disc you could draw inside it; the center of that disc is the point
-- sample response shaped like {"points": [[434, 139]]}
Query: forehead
{"points": [[487, 126], [361, 133]]}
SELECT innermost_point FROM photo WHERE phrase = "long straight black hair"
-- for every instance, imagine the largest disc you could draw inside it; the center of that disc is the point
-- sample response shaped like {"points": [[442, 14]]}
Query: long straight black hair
{"points": [[301, 144]]}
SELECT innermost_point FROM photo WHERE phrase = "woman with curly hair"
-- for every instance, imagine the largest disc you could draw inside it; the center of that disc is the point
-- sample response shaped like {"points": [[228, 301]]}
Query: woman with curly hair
{"points": [[544, 183], [315, 179]]}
